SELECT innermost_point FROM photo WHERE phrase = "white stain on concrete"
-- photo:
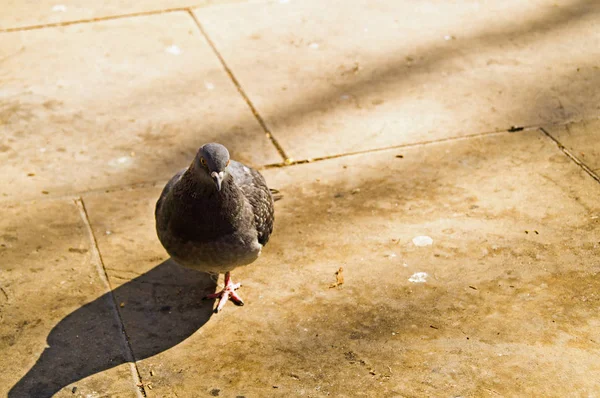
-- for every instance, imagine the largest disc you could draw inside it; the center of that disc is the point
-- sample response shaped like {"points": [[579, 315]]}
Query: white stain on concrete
{"points": [[418, 277], [314, 46], [175, 50], [59, 8], [284, 1], [42, 150], [209, 86], [422, 241], [123, 161]]}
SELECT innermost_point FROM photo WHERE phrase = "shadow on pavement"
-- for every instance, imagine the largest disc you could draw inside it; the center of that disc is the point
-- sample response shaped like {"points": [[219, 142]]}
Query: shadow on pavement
{"points": [[160, 309]]}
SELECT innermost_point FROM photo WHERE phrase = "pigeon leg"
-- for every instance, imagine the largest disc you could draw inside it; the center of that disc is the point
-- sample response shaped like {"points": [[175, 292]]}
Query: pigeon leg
{"points": [[228, 293]]}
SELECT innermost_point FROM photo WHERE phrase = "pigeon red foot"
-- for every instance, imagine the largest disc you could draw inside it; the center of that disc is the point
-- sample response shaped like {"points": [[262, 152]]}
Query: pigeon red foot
{"points": [[228, 293]]}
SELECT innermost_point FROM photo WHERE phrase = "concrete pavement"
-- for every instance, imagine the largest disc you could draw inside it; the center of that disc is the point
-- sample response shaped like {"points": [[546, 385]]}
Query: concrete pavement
{"points": [[470, 254]]}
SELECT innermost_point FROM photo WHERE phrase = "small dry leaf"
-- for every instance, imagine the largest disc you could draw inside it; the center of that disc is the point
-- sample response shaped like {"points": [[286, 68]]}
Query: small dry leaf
{"points": [[339, 276]]}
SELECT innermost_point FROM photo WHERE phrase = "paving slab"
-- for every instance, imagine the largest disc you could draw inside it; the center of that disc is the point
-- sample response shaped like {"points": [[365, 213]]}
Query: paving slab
{"points": [[113, 103], [457, 280], [18, 14], [59, 334], [582, 139], [358, 75]]}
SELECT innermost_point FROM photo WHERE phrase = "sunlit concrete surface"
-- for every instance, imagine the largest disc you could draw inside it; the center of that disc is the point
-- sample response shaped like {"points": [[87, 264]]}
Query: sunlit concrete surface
{"points": [[363, 74], [439, 228], [19, 15]]}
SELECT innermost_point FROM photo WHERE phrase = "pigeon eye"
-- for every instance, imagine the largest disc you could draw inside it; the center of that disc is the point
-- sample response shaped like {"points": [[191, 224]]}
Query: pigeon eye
{"points": [[203, 161]]}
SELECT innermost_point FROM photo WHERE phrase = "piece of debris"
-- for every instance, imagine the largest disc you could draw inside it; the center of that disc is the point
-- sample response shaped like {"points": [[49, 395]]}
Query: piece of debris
{"points": [[123, 305], [339, 276], [433, 327], [421, 241], [276, 194], [418, 277], [514, 129], [354, 70], [173, 49], [400, 156], [473, 287], [75, 250], [74, 390]]}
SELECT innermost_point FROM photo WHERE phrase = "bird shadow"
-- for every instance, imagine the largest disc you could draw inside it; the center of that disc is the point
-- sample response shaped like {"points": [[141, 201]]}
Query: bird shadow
{"points": [[159, 309]]}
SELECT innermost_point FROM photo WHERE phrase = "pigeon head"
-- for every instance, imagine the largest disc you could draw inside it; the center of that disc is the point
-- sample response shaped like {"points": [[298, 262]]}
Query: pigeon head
{"points": [[212, 161]]}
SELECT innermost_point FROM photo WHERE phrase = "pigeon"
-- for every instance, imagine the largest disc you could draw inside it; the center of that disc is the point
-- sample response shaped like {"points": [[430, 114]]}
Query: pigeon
{"points": [[214, 216]]}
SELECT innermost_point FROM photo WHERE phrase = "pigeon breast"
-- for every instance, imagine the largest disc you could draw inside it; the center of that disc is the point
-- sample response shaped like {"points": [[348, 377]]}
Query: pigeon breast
{"points": [[215, 231]]}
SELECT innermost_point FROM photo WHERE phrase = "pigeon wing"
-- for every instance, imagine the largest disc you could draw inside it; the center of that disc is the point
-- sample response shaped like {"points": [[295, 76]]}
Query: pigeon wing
{"points": [[256, 191]]}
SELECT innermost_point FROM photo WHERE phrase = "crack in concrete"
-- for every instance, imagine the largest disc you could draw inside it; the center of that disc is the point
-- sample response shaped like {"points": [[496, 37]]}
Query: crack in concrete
{"points": [[574, 158], [237, 84], [101, 268]]}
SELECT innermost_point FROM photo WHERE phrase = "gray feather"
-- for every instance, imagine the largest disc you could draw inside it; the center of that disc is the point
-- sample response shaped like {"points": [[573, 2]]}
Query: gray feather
{"points": [[209, 229]]}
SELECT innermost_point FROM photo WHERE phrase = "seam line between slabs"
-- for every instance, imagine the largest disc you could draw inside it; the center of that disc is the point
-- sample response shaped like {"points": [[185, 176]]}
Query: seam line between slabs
{"points": [[111, 17], [388, 148], [90, 20], [574, 158], [237, 84], [101, 268], [155, 183]]}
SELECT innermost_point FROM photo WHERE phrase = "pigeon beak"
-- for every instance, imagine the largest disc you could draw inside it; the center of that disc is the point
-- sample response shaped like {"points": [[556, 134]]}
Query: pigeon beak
{"points": [[218, 177]]}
